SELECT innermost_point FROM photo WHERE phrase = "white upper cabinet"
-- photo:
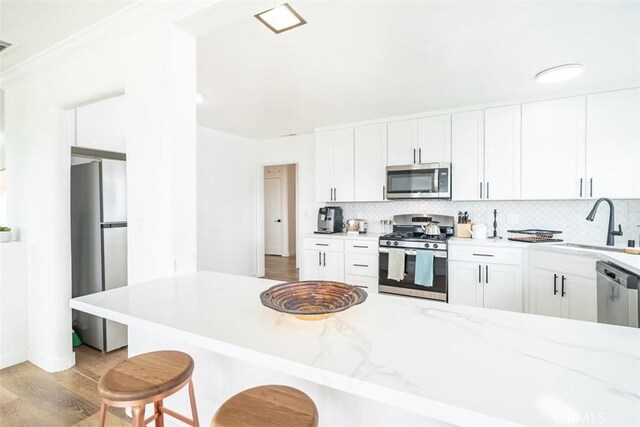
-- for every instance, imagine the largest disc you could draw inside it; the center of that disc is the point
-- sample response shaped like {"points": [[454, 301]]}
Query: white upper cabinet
{"points": [[467, 156], [402, 142], [553, 148], [502, 153], [434, 139], [334, 163], [370, 162], [101, 125], [613, 144], [324, 166]]}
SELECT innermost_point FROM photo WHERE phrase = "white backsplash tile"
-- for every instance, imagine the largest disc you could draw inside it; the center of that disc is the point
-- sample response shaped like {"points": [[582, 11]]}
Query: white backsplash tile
{"points": [[567, 216]]}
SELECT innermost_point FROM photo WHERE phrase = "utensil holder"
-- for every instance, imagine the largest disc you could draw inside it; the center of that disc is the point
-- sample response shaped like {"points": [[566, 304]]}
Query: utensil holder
{"points": [[463, 230]]}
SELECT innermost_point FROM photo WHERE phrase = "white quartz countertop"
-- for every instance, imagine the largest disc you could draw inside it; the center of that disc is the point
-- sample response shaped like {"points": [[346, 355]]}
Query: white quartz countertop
{"points": [[463, 365], [344, 236]]}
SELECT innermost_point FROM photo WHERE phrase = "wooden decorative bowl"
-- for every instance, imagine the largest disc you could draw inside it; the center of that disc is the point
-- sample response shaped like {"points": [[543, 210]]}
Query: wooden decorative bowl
{"points": [[312, 300]]}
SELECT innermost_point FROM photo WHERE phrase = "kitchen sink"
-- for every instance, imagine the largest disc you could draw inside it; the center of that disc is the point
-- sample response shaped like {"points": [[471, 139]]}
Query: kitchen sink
{"points": [[597, 248]]}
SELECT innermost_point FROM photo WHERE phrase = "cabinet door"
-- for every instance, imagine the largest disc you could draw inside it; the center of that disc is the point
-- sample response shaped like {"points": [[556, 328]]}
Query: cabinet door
{"points": [[343, 165], [503, 287], [370, 162], [580, 300], [553, 149], [311, 265], [613, 144], [324, 166], [333, 266], [465, 285], [434, 139], [502, 153], [467, 156], [101, 125], [545, 301], [402, 140]]}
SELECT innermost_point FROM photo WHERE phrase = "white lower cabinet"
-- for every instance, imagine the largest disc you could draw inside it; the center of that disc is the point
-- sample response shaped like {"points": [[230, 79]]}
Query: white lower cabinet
{"points": [[353, 261], [486, 285], [563, 285]]}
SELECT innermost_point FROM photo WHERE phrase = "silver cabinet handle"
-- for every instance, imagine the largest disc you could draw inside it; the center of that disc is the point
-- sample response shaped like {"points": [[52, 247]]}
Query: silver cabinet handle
{"points": [[590, 187], [360, 246], [479, 274], [324, 259], [487, 255], [481, 190], [383, 192], [419, 155], [487, 190], [335, 194], [320, 258], [360, 265], [486, 274], [414, 156], [580, 187], [322, 244]]}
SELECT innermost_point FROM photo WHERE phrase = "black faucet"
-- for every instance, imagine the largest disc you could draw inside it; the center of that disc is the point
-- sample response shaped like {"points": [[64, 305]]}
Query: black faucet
{"points": [[610, 232]]}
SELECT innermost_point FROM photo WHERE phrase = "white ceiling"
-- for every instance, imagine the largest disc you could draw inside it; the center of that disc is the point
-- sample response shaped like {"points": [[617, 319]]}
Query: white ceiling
{"points": [[365, 60], [33, 26]]}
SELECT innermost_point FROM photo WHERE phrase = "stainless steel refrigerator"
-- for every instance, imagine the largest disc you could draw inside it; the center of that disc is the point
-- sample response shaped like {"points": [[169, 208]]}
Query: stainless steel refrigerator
{"points": [[98, 244]]}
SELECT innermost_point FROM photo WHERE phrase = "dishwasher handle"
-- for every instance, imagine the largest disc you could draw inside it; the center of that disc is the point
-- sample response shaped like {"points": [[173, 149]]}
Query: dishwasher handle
{"points": [[617, 274]]}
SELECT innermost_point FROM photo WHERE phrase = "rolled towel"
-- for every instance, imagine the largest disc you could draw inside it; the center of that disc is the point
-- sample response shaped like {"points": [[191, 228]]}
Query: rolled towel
{"points": [[396, 264], [424, 268]]}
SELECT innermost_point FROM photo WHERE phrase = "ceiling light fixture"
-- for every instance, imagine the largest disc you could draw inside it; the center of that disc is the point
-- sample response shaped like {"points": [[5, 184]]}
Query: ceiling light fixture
{"points": [[559, 73], [281, 18]]}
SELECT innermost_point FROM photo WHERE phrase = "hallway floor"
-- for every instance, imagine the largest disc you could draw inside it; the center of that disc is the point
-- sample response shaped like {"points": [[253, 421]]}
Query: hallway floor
{"points": [[30, 396], [280, 268]]}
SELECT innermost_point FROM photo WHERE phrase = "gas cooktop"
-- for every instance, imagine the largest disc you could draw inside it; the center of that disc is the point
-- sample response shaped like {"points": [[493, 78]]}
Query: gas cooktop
{"points": [[412, 236]]}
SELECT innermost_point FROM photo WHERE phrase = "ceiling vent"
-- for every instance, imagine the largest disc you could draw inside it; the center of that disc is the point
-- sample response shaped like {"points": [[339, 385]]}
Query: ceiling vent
{"points": [[4, 45]]}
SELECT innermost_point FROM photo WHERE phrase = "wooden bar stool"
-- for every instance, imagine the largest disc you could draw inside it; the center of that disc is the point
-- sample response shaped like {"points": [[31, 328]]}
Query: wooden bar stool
{"points": [[148, 378], [267, 406]]}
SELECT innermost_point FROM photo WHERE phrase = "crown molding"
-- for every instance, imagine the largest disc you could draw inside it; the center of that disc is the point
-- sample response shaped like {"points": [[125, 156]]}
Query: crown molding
{"points": [[130, 19]]}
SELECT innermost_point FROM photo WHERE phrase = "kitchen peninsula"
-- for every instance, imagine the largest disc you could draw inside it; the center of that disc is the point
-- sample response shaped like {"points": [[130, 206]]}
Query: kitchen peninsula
{"points": [[388, 361]]}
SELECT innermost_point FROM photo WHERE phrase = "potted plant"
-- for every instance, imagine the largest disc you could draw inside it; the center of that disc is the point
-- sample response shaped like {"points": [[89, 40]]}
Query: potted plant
{"points": [[5, 234]]}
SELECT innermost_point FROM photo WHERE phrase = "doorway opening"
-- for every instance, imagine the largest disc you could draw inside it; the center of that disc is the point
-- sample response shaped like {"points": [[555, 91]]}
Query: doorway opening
{"points": [[280, 222]]}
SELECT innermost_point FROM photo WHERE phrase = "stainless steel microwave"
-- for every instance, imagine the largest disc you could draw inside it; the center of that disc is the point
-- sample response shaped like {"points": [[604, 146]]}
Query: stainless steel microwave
{"points": [[423, 181]]}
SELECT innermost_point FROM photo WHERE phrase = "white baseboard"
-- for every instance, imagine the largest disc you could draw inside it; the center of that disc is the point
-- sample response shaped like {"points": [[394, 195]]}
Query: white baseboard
{"points": [[51, 364]]}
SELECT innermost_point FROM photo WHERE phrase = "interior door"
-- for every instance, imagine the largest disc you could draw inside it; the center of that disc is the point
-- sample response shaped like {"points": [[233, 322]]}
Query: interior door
{"points": [[370, 162], [553, 149], [273, 216], [613, 144], [467, 156]]}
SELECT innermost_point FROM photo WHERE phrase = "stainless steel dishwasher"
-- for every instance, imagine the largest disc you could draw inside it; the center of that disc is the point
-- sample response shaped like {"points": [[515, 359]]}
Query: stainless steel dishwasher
{"points": [[617, 295]]}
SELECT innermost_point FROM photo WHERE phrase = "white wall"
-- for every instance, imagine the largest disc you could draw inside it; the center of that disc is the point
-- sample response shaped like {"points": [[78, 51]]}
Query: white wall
{"points": [[226, 203], [155, 68]]}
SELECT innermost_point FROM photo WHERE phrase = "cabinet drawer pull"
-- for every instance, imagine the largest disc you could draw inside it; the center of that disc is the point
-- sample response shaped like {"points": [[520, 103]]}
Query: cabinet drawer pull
{"points": [[590, 187], [486, 274], [481, 190], [320, 258], [324, 259], [360, 265], [555, 284], [322, 244], [414, 156], [580, 187], [562, 292], [487, 255], [479, 273], [361, 246]]}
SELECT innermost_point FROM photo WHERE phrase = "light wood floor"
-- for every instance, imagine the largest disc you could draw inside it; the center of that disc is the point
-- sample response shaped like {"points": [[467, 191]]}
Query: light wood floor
{"points": [[280, 268], [30, 396]]}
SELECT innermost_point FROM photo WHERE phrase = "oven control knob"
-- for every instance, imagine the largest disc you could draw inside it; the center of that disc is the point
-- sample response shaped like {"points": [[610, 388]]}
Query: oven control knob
{"points": [[388, 243], [426, 245], [435, 246], [395, 243]]}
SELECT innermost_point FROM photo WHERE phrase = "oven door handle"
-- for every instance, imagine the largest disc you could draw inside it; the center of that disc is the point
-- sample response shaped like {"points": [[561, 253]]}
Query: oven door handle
{"points": [[437, 254]]}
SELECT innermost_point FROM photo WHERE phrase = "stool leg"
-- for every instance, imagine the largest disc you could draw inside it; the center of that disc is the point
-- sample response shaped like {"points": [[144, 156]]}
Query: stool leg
{"points": [[103, 414], [160, 419], [138, 416], [194, 410]]}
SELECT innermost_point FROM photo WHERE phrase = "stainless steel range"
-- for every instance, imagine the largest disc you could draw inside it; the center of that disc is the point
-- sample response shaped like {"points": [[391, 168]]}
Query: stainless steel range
{"points": [[414, 233]]}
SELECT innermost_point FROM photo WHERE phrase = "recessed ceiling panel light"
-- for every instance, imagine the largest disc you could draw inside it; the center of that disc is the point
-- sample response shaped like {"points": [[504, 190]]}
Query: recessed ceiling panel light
{"points": [[281, 18], [559, 73]]}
